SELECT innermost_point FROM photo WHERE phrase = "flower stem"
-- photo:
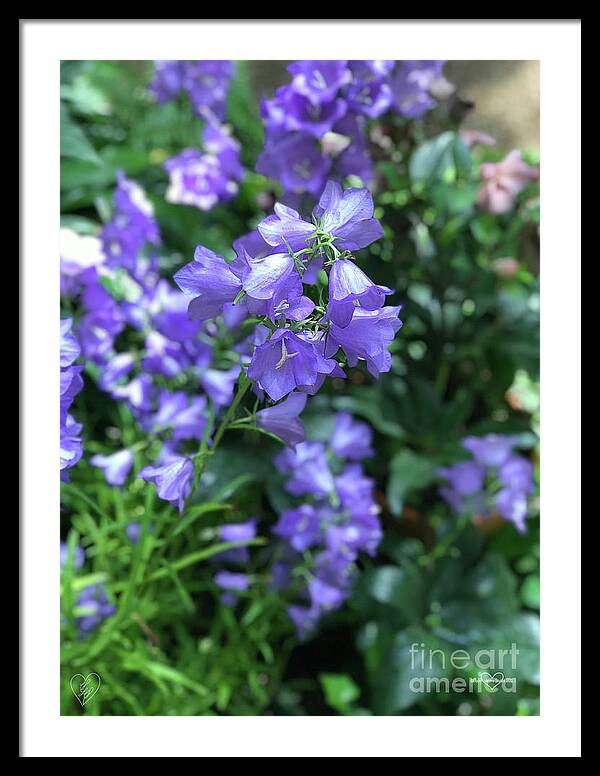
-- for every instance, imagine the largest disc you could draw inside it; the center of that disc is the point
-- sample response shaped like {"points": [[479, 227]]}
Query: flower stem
{"points": [[204, 454], [444, 545]]}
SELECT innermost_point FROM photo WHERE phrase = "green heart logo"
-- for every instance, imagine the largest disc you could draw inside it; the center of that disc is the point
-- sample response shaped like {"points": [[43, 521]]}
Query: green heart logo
{"points": [[84, 687], [492, 682]]}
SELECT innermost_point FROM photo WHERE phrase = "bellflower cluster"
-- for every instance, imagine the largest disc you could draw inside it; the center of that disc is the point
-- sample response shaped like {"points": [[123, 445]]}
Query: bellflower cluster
{"points": [[301, 331], [496, 480], [71, 383], [206, 82], [202, 178], [175, 365], [335, 520], [315, 126]]}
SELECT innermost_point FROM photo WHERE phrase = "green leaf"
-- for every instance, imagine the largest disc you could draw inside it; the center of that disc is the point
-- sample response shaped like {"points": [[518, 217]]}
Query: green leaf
{"points": [[530, 591], [80, 225], [79, 583], [408, 472], [185, 597], [121, 286], [483, 598], [73, 141], [79, 173], [486, 230], [85, 96], [209, 552], [400, 675], [243, 113], [433, 160], [402, 588], [340, 691], [159, 671], [193, 513], [522, 629]]}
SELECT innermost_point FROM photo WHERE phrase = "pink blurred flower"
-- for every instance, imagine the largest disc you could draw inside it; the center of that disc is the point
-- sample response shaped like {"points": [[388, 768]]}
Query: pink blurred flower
{"points": [[505, 267], [502, 182]]}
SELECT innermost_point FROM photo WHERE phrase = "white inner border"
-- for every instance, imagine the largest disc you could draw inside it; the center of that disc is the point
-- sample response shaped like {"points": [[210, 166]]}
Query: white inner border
{"points": [[556, 732]]}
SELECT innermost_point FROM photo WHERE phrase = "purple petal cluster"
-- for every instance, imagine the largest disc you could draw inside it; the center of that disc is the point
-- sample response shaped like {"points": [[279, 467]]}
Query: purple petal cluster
{"points": [[229, 578], [351, 439], [315, 126], [496, 480], [411, 86], [92, 608], [206, 83], [116, 466], [300, 333], [78, 555], [132, 227], [71, 383], [203, 178], [336, 520], [177, 366]]}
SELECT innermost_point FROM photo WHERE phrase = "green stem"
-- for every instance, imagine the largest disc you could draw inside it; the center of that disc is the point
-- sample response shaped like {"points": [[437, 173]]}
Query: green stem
{"points": [[441, 381], [442, 547], [204, 454]]}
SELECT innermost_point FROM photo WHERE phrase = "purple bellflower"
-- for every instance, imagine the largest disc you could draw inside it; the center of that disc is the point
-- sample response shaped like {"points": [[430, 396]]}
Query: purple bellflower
{"points": [[116, 466], [211, 283], [283, 419], [173, 479], [351, 439]]}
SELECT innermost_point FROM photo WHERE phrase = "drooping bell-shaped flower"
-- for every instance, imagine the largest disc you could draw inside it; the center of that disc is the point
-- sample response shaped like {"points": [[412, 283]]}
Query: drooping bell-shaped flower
{"points": [[491, 449], [219, 384], [350, 438], [350, 288], [309, 469], [517, 473], [116, 466], [301, 527], [69, 347], [319, 80], [211, 283], [512, 506], [465, 477], [173, 479], [367, 338], [282, 419], [286, 362]]}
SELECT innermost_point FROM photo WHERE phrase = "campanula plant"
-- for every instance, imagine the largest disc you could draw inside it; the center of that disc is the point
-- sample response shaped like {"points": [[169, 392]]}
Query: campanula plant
{"points": [[298, 388]]}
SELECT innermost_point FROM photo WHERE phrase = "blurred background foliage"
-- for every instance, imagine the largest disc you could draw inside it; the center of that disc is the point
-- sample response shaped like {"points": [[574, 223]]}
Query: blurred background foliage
{"points": [[465, 362]]}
